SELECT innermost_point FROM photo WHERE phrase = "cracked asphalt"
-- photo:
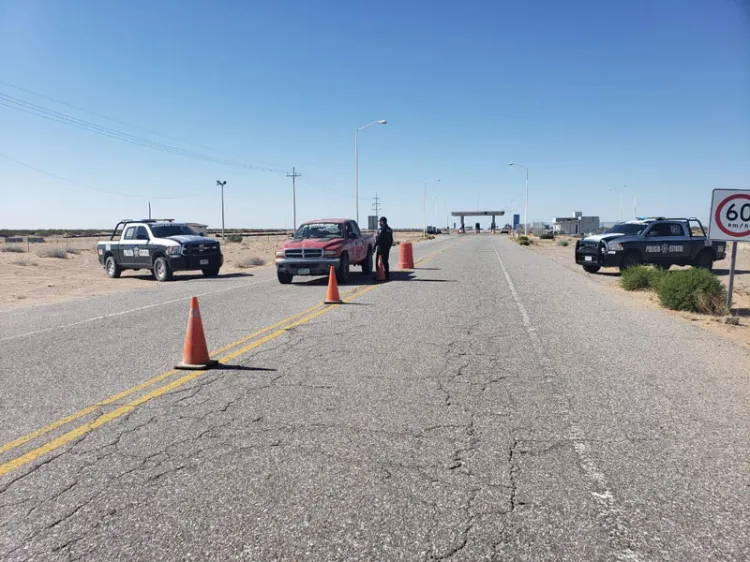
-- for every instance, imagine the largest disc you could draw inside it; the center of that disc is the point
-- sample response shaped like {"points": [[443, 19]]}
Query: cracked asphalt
{"points": [[495, 406]]}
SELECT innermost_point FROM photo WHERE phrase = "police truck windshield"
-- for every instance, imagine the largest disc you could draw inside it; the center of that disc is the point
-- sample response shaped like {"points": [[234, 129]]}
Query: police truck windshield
{"points": [[167, 230], [627, 229]]}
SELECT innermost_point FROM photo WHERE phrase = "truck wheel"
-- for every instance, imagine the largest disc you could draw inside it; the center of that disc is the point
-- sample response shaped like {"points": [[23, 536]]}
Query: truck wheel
{"points": [[367, 264], [162, 271], [704, 261], [113, 268], [630, 260], [284, 278], [342, 275], [591, 268], [210, 272]]}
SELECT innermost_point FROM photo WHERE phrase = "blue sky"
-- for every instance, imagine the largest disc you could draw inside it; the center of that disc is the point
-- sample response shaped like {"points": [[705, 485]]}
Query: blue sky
{"points": [[590, 95]]}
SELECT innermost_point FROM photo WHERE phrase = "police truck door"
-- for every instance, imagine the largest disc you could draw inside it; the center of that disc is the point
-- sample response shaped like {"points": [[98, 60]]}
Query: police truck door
{"points": [[127, 247], [667, 242], [143, 257]]}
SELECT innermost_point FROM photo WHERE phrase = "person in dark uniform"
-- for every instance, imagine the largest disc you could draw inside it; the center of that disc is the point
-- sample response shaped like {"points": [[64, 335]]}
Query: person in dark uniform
{"points": [[383, 243]]}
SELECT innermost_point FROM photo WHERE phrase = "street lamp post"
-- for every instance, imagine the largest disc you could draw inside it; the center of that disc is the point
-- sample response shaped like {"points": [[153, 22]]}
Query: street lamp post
{"points": [[425, 205], [356, 164], [635, 202], [526, 203], [222, 184]]}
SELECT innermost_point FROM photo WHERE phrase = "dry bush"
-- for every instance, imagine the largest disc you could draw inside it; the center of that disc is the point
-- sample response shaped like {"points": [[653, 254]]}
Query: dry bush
{"points": [[12, 249], [59, 253], [251, 261], [693, 290]]}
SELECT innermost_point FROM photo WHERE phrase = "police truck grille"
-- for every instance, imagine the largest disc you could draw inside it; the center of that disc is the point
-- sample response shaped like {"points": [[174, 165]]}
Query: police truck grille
{"points": [[203, 249]]}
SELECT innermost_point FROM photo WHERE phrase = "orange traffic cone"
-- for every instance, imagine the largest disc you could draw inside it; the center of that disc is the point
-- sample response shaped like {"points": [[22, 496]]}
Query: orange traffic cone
{"points": [[195, 355], [380, 273], [332, 296], [406, 256]]}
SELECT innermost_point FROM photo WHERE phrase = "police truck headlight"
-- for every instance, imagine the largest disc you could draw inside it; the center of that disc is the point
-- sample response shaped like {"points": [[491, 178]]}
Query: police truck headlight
{"points": [[173, 250], [614, 246], [331, 253]]}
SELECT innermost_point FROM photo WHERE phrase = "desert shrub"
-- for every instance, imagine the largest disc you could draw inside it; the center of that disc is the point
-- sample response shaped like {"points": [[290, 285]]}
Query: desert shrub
{"points": [[12, 249], [563, 243], [524, 241], [547, 236], [236, 238], [641, 278], [59, 253], [24, 262], [251, 261], [694, 290], [74, 251]]}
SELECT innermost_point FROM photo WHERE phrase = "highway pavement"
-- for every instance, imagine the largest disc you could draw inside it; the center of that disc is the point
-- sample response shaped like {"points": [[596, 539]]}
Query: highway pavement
{"points": [[489, 405]]}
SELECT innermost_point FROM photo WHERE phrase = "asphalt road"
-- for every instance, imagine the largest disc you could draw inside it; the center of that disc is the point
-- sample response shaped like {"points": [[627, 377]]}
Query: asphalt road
{"points": [[492, 405]]}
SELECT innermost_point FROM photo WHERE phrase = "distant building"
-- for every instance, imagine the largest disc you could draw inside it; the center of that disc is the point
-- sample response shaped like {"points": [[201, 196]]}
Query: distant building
{"points": [[577, 224]]}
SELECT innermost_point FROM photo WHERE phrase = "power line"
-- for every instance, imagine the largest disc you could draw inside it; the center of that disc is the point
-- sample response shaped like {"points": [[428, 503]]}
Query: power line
{"points": [[24, 106], [112, 119], [94, 188]]}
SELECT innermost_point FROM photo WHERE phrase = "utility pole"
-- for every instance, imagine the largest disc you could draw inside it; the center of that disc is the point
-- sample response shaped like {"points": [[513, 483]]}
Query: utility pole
{"points": [[376, 208], [222, 184], [294, 175], [425, 207], [149, 210]]}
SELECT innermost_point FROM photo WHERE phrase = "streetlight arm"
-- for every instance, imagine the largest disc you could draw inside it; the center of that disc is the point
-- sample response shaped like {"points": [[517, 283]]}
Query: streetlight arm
{"points": [[378, 122]]}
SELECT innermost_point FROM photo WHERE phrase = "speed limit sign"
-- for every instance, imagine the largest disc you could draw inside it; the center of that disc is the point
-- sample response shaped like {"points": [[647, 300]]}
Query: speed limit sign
{"points": [[730, 215]]}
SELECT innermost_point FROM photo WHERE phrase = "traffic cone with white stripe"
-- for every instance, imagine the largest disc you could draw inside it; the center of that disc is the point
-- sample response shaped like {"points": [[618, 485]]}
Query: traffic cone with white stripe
{"points": [[195, 355]]}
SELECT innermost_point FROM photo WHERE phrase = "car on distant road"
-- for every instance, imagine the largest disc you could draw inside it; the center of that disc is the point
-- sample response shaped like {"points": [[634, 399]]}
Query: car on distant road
{"points": [[161, 246], [319, 244], [662, 242]]}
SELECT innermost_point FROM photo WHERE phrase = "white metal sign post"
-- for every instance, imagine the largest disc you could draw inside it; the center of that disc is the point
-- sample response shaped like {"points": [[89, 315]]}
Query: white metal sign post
{"points": [[730, 221]]}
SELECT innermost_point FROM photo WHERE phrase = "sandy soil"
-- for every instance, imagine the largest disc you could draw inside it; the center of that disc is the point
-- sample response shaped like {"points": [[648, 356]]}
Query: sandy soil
{"points": [[611, 278], [29, 278]]}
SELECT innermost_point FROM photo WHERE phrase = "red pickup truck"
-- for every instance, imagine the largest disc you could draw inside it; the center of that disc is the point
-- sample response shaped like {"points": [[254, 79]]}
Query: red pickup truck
{"points": [[317, 245]]}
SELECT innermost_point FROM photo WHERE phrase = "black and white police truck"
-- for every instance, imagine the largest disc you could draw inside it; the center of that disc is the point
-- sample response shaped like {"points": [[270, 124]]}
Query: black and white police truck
{"points": [[160, 245], [658, 241]]}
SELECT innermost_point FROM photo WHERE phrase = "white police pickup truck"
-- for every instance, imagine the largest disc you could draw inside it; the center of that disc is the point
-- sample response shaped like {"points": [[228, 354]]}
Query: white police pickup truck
{"points": [[658, 241], [160, 245]]}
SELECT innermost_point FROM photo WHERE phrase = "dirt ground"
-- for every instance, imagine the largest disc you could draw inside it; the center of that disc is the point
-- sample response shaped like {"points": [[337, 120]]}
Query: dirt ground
{"points": [[28, 277], [611, 278]]}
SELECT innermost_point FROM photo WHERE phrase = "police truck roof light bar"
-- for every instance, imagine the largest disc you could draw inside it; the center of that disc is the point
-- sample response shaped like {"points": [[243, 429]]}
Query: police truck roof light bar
{"points": [[149, 221]]}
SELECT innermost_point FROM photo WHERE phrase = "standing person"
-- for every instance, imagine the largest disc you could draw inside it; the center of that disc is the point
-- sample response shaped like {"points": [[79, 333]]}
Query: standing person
{"points": [[383, 243]]}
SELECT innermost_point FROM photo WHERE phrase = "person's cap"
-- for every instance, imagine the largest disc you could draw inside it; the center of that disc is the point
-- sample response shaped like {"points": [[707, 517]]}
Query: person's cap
{"points": [[383, 219]]}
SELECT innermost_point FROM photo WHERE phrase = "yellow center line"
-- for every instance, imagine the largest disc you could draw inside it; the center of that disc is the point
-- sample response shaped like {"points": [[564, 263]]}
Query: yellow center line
{"points": [[137, 388], [85, 428]]}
